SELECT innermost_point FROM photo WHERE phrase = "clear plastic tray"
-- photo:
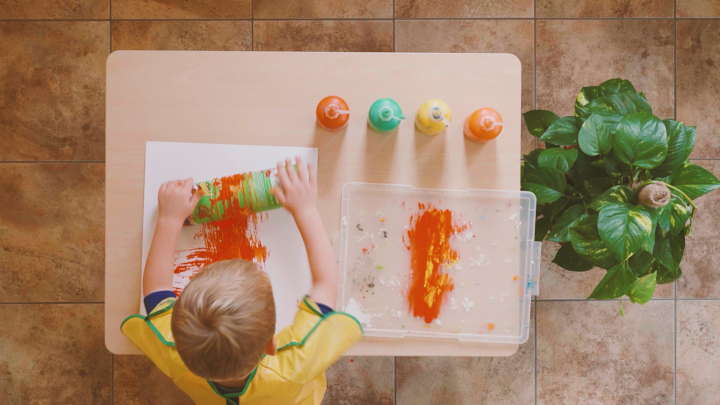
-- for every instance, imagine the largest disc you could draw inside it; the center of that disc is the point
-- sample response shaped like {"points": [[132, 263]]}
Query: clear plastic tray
{"points": [[494, 277]]}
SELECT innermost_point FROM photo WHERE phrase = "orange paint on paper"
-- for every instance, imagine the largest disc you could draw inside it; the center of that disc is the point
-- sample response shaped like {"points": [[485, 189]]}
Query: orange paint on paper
{"points": [[491, 326], [428, 241], [515, 278], [234, 237]]}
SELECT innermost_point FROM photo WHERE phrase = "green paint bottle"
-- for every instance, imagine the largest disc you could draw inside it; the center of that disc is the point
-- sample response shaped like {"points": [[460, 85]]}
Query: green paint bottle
{"points": [[385, 115]]}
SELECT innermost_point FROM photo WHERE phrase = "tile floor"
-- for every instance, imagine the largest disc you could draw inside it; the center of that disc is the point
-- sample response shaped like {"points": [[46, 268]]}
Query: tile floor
{"points": [[51, 173]]}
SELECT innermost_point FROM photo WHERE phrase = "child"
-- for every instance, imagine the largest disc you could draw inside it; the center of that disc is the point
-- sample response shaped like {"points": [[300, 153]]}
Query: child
{"points": [[216, 341]]}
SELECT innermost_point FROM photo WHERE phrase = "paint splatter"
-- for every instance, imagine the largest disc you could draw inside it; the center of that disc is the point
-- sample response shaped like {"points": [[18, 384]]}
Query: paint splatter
{"points": [[428, 240], [515, 278], [490, 326], [234, 237]]}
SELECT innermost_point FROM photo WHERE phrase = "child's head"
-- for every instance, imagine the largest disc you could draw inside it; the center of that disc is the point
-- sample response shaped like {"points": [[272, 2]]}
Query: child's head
{"points": [[224, 320]]}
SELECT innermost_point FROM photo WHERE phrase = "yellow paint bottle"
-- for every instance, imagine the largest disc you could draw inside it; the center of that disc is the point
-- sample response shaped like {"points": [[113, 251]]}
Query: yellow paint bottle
{"points": [[433, 117]]}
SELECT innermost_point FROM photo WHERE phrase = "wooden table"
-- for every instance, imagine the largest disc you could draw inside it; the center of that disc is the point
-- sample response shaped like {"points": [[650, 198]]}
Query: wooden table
{"points": [[268, 98]]}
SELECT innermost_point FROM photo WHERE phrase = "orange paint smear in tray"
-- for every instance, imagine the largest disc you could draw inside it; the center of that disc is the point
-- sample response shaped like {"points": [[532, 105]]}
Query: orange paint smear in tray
{"points": [[234, 237], [428, 241]]}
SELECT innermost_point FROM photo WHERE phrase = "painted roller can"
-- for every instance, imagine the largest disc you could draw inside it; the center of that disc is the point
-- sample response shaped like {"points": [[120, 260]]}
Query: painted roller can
{"points": [[433, 117], [385, 115], [249, 191], [332, 113], [483, 124]]}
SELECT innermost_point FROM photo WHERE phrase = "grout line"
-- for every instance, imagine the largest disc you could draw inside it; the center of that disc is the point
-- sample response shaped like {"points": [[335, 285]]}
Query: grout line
{"points": [[675, 78], [394, 20], [395, 380], [49, 302], [356, 19], [698, 299], [49, 161]]}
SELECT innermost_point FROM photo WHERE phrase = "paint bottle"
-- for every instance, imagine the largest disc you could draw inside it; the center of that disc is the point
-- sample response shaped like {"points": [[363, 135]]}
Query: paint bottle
{"points": [[385, 115], [225, 196], [483, 124], [332, 113], [433, 117]]}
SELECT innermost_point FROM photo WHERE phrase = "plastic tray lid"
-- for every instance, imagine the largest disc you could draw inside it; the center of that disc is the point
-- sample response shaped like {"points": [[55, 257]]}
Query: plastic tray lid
{"points": [[484, 256]]}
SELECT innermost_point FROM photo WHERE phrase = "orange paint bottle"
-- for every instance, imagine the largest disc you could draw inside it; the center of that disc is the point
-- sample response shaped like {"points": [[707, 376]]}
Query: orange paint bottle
{"points": [[483, 124], [332, 113]]}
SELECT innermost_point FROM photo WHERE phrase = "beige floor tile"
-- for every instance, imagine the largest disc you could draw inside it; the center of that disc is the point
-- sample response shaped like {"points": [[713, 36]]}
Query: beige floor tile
{"points": [[52, 232], [323, 9], [698, 82], [50, 9], [558, 283], [510, 36], [576, 53], [463, 8], [136, 381], [181, 9], [352, 36], [701, 278], [698, 8], [604, 8], [468, 380], [182, 35], [53, 354], [52, 76], [361, 380], [698, 352], [589, 353]]}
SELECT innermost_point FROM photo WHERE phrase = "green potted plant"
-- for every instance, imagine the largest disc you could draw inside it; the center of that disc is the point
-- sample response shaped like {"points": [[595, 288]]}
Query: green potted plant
{"points": [[615, 188]]}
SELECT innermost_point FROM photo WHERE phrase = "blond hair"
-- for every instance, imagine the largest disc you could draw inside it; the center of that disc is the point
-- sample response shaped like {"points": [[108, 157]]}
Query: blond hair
{"points": [[224, 319]]}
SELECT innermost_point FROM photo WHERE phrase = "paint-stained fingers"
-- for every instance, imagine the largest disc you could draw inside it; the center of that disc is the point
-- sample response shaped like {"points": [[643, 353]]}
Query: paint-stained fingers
{"points": [[292, 173], [279, 194], [283, 175], [302, 170], [195, 198]]}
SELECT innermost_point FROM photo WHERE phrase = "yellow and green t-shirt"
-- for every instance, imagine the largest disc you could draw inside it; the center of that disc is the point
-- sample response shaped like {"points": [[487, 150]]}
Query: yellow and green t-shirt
{"points": [[294, 375]]}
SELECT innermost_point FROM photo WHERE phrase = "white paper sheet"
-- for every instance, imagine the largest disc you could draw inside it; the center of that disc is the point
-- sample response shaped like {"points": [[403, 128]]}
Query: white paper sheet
{"points": [[287, 263]]}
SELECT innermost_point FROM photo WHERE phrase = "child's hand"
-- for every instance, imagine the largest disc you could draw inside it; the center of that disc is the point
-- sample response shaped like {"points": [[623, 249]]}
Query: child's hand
{"points": [[177, 200], [298, 188]]}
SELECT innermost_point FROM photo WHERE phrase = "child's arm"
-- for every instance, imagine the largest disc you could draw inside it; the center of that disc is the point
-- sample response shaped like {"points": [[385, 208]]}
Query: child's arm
{"points": [[297, 192], [176, 202]]}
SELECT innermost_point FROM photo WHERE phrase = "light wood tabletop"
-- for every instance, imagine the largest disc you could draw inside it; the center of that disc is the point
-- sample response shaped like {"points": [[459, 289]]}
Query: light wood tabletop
{"points": [[269, 98]]}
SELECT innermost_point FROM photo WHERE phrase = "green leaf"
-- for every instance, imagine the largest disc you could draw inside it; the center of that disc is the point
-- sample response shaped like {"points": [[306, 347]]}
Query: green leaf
{"points": [[595, 186], [595, 136], [547, 184], [624, 228], [532, 157], [640, 140], [557, 158], [617, 282], [538, 121], [640, 262], [694, 180], [643, 288], [672, 217], [615, 194], [665, 275], [563, 131], [622, 103], [568, 259], [586, 242], [583, 99], [681, 141], [560, 231], [614, 86], [669, 251], [542, 226]]}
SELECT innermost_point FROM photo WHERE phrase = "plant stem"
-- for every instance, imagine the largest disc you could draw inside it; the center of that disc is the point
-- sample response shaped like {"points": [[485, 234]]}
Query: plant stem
{"points": [[681, 193]]}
